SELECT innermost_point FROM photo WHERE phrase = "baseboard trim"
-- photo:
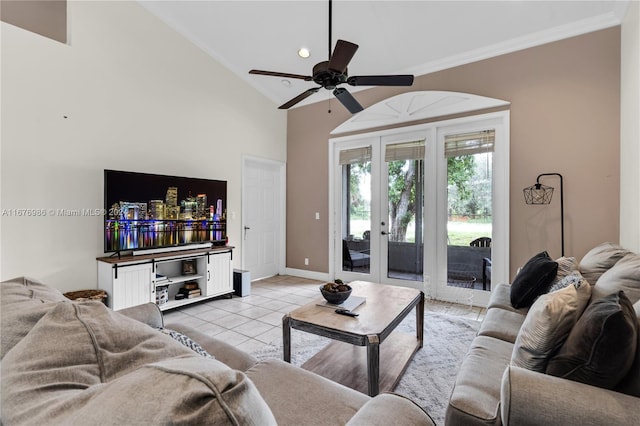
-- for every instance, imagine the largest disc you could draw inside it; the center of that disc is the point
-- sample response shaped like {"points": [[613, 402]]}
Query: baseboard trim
{"points": [[312, 275]]}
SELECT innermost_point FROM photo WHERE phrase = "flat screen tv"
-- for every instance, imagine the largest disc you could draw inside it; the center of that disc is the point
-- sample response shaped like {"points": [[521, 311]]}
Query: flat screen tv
{"points": [[149, 211]]}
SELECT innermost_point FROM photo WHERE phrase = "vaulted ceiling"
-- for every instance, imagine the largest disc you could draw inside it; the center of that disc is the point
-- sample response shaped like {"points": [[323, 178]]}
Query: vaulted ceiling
{"points": [[394, 37]]}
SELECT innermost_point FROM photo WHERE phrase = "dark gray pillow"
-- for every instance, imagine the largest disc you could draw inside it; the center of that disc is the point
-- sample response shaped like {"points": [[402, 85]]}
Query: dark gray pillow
{"points": [[601, 346], [534, 279]]}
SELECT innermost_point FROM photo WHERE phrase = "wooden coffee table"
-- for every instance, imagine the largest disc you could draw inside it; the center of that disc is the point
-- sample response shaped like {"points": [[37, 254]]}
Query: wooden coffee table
{"points": [[374, 369]]}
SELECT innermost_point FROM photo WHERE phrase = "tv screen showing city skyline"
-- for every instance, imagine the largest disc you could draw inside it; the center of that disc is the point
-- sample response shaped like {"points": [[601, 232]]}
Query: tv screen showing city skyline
{"points": [[151, 211]]}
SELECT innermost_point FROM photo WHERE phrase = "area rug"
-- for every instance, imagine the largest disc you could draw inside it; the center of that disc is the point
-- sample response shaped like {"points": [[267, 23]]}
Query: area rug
{"points": [[430, 376]]}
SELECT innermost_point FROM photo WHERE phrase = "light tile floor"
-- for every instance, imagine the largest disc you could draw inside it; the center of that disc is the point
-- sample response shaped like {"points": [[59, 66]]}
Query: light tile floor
{"points": [[251, 322]]}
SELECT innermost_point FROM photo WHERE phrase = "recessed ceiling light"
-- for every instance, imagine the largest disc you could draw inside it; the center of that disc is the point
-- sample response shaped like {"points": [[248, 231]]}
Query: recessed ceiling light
{"points": [[286, 83], [303, 52]]}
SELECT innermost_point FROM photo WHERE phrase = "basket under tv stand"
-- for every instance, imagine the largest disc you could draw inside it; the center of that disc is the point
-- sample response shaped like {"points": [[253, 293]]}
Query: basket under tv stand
{"points": [[131, 280]]}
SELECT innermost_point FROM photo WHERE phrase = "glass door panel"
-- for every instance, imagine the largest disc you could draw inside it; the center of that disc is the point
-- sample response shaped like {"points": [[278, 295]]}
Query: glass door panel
{"points": [[404, 228], [469, 209], [356, 209]]}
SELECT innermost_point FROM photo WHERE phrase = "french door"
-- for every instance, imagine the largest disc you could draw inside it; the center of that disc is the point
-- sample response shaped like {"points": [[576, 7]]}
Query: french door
{"points": [[405, 202], [379, 209]]}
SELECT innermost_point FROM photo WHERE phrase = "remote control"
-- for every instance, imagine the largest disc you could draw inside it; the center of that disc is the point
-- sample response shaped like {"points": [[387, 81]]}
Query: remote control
{"points": [[346, 312]]}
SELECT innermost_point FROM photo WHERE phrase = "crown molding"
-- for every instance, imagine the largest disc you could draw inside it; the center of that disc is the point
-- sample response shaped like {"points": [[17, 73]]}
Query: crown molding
{"points": [[539, 38]]}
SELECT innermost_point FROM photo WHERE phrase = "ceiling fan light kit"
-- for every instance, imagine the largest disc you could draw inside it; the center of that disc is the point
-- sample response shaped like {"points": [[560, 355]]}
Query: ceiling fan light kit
{"points": [[332, 73], [303, 52]]}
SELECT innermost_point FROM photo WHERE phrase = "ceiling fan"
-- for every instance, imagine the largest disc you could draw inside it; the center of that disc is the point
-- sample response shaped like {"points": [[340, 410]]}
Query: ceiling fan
{"points": [[332, 73]]}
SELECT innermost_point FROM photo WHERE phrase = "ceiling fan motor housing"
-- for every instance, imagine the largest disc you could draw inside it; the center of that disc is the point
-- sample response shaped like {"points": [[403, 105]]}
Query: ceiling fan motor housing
{"points": [[327, 78]]}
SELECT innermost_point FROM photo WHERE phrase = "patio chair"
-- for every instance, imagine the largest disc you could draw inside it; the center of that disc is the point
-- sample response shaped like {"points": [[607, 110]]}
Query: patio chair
{"points": [[353, 258], [481, 242], [486, 262]]}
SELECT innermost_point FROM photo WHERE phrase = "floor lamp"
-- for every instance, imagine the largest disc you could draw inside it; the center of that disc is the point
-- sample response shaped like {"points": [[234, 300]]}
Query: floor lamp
{"points": [[541, 194]]}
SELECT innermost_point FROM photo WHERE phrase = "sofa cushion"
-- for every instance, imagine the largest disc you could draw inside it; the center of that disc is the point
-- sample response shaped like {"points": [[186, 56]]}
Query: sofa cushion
{"points": [[83, 363], [501, 324], [501, 298], [475, 398], [600, 259], [624, 275], [534, 279], [24, 302], [299, 397], [535, 399], [384, 409], [601, 347], [548, 324]]}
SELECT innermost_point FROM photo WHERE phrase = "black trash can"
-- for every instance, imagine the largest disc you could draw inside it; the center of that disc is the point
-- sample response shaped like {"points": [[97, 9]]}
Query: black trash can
{"points": [[241, 282]]}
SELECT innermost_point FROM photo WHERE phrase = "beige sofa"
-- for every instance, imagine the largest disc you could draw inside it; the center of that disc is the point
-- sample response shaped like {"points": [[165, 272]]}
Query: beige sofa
{"points": [[492, 389], [69, 362]]}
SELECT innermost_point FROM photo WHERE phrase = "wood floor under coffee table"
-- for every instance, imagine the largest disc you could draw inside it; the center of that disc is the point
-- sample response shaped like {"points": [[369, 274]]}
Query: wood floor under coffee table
{"points": [[356, 359]]}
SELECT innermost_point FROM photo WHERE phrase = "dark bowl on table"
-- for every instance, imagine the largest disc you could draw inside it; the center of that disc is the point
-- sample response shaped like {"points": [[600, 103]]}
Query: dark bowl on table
{"points": [[335, 297]]}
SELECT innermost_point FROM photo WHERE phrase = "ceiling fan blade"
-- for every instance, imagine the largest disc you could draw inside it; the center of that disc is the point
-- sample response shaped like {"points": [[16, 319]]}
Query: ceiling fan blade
{"points": [[347, 100], [299, 98], [281, 74], [342, 55], [381, 80]]}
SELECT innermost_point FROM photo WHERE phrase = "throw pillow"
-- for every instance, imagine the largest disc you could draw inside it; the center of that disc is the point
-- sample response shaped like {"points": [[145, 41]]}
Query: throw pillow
{"points": [[186, 341], [547, 325], [602, 345], [600, 259], [574, 278], [624, 275], [24, 302], [83, 363], [534, 279], [566, 265]]}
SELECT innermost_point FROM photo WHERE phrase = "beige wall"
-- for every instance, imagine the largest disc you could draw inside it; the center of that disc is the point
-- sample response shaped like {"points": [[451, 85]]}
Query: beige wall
{"points": [[126, 93], [45, 17], [565, 118]]}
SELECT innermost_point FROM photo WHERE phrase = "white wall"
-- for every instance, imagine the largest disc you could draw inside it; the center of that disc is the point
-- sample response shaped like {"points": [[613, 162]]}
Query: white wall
{"points": [[630, 129], [126, 93]]}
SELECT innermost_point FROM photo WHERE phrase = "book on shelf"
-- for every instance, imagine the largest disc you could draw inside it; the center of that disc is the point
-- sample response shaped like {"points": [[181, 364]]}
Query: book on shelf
{"points": [[161, 279], [188, 292], [192, 295], [191, 285]]}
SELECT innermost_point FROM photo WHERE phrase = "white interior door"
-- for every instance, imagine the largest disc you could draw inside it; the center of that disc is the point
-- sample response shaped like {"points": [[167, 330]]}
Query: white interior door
{"points": [[263, 216]]}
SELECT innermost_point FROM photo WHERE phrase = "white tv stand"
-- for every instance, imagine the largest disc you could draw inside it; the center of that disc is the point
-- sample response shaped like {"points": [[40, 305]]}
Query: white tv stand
{"points": [[134, 280]]}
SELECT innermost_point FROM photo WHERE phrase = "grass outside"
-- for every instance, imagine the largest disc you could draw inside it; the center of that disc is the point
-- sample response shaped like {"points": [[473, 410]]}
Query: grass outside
{"points": [[459, 233]]}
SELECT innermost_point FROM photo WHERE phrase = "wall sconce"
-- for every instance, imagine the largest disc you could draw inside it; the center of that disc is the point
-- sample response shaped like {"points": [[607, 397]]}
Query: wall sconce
{"points": [[541, 194]]}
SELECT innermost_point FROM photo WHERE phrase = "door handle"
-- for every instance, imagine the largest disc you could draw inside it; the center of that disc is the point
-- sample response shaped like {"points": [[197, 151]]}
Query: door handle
{"points": [[384, 233], [246, 227]]}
